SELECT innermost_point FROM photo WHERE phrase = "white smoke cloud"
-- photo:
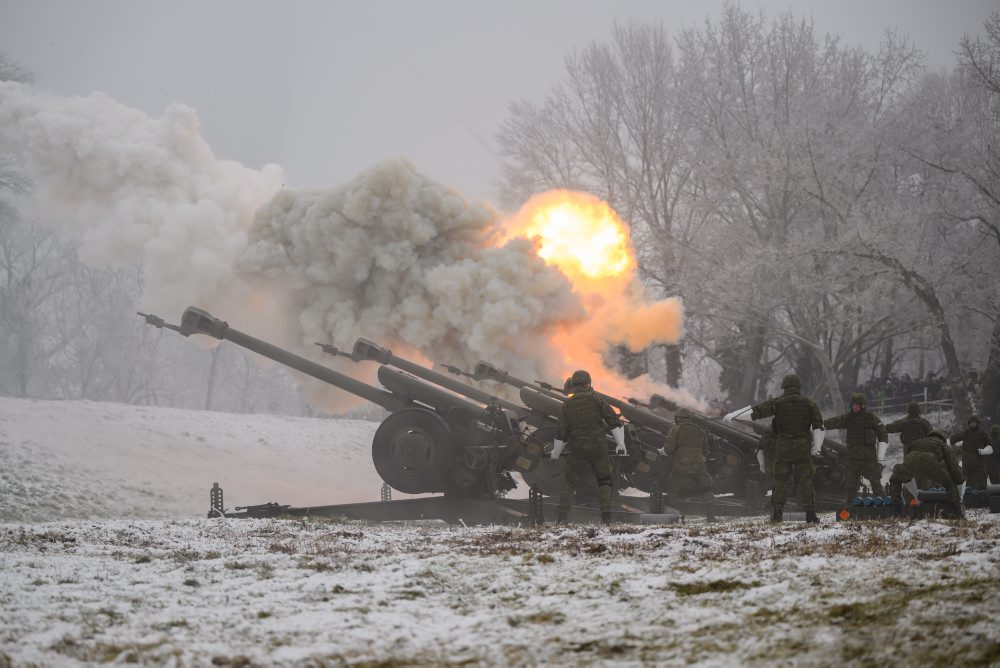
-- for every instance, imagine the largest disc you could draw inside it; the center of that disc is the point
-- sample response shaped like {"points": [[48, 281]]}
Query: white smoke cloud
{"points": [[139, 189], [401, 259], [392, 256]]}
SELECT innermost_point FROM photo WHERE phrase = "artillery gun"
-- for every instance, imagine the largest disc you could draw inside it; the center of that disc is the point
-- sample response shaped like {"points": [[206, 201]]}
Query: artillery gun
{"points": [[434, 440], [444, 435]]}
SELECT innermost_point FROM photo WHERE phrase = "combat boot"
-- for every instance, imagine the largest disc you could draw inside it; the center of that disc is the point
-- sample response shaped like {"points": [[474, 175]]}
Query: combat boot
{"points": [[811, 517], [776, 515], [606, 518]]}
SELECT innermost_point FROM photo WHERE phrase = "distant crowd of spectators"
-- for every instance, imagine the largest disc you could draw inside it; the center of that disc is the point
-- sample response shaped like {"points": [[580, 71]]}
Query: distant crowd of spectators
{"points": [[896, 389]]}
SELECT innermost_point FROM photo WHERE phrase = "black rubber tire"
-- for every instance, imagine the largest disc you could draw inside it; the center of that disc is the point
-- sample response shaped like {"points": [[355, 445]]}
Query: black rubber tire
{"points": [[413, 450]]}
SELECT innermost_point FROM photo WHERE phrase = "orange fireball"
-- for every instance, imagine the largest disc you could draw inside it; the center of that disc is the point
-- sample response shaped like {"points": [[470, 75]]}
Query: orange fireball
{"points": [[578, 233]]}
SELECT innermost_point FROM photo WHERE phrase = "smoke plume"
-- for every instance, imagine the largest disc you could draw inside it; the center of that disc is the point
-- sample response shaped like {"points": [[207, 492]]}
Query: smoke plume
{"points": [[392, 256]]}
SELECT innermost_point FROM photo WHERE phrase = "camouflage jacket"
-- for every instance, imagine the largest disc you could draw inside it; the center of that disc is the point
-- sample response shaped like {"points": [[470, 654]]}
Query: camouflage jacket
{"points": [[939, 449], [972, 440], [793, 415], [685, 446], [864, 430], [909, 429], [585, 419]]}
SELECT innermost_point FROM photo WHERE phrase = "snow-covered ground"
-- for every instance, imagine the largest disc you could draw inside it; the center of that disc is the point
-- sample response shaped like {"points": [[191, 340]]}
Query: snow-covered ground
{"points": [[186, 590]]}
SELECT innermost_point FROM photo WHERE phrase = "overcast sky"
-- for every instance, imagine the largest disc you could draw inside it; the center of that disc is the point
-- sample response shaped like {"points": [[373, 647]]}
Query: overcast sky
{"points": [[326, 89]]}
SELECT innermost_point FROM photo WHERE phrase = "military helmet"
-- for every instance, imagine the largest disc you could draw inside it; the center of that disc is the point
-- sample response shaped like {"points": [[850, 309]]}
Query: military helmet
{"points": [[681, 415], [938, 434], [913, 409], [791, 380], [580, 378], [859, 398]]}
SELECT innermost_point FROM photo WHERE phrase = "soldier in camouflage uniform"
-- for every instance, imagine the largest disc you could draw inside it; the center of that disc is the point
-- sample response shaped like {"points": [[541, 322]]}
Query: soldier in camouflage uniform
{"points": [[583, 423], [932, 463], [794, 415], [685, 452], [910, 428], [974, 443], [993, 460], [867, 442]]}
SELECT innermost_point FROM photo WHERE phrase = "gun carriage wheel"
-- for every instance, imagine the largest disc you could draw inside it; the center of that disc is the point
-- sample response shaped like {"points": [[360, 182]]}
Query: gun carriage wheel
{"points": [[413, 449]]}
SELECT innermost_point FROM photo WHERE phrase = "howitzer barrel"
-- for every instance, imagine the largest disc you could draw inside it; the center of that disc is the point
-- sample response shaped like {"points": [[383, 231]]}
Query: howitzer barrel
{"points": [[405, 385], [198, 321], [486, 371], [540, 402], [731, 434], [368, 350], [640, 416]]}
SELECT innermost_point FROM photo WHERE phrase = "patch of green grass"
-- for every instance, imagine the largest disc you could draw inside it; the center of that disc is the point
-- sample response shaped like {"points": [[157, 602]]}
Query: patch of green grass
{"points": [[708, 587], [541, 617]]}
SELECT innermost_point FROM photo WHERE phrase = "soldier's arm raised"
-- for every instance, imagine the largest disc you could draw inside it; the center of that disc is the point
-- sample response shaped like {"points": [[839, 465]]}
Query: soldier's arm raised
{"points": [[894, 427], [880, 430], [835, 422], [762, 410]]}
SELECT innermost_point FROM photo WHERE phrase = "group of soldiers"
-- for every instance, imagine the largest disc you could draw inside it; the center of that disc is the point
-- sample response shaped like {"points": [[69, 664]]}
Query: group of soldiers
{"points": [[928, 459], [798, 430], [585, 419]]}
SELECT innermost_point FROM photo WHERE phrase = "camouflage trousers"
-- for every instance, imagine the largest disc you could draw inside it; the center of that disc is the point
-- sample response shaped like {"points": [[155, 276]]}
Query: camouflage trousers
{"points": [[798, 461], [870, 469], [993, 466], [975, 475], [689, 481], [928, 470], [576, 462]]}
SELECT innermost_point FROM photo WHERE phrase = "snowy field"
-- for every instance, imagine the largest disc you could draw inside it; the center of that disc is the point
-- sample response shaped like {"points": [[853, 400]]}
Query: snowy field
{"points": [[104, 583]]}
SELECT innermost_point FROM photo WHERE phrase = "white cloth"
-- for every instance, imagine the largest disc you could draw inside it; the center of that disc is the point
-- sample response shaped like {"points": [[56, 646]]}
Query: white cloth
{"points": [[882, 447], [619, 434], [988, 450], [738, 414], [557, 448], [817, 446], [760, 461]]}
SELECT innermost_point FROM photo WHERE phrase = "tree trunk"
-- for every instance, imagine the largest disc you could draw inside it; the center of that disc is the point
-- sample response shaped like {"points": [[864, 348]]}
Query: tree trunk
{"points": [[887, 360], [990, 407], [210, 389], [672, 354], [751, 366]]}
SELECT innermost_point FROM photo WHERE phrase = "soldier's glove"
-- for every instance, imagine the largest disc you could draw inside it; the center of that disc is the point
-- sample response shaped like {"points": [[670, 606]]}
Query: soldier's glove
{"points": [[740, 414], [988, 450], [557, 448], [619, 434], [817, 445], [882, 447]]}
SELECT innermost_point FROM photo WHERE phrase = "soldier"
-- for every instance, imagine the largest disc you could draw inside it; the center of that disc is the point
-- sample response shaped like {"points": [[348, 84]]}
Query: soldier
{"points": [[685, 452], [931, 462], [911, 427], [993, 461], [583, 422], [867, 443], [975, 443], [794, 415]]}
